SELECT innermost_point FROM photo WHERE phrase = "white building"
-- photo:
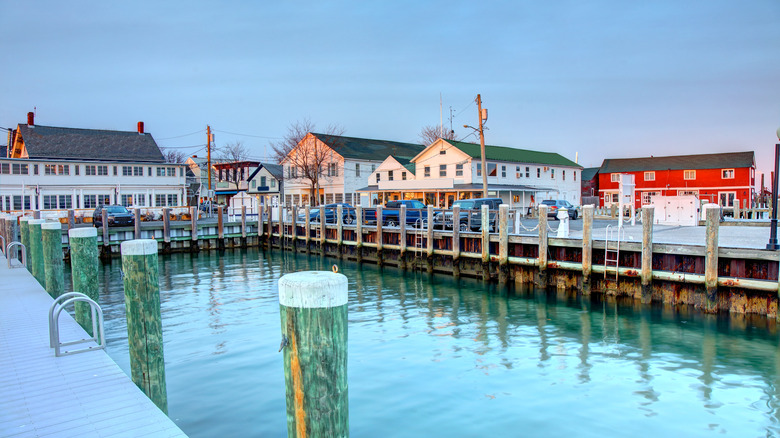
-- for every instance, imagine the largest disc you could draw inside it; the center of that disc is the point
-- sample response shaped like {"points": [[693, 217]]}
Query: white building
{"points": [[51, 168], [448, 170], [344, 165], [267, 180]]}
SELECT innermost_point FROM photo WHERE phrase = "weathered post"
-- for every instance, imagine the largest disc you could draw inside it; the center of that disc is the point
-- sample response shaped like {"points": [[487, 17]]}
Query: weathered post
{"points": [[220, 228], [294, 221], [194, 246], [485, 228], [243, 226], [51, 233], [379, 239], [308, 229], [711, 257], [71, 219], [282, 227], [613, 211], [737, 211], [503, 244], [137, 223], [456, 241], [648, 218], [105, 250], [144, 325], [24, 237], [35, 253], [402, 237], [36, 214], [166, 212], [313, 307], [323, 229], [587, 247], [541, 280], [340, 230], [429, 241], [269, 213], [84, 271]]}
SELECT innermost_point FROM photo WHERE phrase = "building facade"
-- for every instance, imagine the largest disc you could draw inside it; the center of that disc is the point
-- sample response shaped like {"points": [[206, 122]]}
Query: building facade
{"points": [[717, 178], [267, 180]]}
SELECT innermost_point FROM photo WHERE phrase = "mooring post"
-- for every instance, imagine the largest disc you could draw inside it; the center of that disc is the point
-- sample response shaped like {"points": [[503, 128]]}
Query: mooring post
{"points": [[84, 271], [737, 211], [137, 223], [379, 238], [282, 227], [144, 324], [313, 308], [270, 238], [51, 233], [166, 230], [294, 221], [220, 228], [243, 226], [402, 237], [24, 237], [323, 229], [105, 251], [648, 217], [587, 247], [308, 229], [503, 244], [711, 257], [36, 214], [194, 247], [455, 241], [485, 228], [541, 280], [429, 240], [71, 219], [359, 233], [340, 230], [35, 253]]}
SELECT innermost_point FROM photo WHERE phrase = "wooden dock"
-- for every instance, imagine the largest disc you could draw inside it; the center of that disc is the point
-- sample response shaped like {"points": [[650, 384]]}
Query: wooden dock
{"points": [[80, 395]]}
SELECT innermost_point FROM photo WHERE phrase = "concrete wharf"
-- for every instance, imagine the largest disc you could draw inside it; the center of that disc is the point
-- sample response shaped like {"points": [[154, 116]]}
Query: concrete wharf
{"points": [[80, 395]]}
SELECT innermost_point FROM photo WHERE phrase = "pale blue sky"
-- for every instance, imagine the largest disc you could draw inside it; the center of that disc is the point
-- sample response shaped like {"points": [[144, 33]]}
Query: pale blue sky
{"points": [[606, 79]]}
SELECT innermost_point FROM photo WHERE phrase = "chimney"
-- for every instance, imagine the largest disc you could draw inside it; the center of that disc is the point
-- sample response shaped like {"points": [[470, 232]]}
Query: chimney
{"points": [[140, 127], [31, 119]]}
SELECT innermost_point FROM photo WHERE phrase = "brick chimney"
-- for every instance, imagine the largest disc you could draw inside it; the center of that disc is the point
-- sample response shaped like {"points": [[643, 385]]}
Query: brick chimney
{"points": [[140, 127], [31, 119]]}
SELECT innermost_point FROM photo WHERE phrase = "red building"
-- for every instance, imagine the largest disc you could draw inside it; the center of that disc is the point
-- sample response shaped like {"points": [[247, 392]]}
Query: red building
{"points": [[717, 178]]}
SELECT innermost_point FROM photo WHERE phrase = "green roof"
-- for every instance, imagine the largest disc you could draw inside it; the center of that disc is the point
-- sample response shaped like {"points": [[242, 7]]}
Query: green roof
{"points": [[503, 153], [368, 149]]}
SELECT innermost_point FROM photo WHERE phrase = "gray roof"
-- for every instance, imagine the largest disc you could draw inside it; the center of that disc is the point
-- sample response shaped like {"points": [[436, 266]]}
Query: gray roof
{"points": [[679, 162], [89, 144], [589, 173], [276, 170]]}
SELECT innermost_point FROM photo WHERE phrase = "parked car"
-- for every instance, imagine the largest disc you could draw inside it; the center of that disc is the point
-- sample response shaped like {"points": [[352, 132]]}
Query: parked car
{"points": [[347, 212], [116, 215], [470, 214], [415, 213], [207, 205], [553, 205]]}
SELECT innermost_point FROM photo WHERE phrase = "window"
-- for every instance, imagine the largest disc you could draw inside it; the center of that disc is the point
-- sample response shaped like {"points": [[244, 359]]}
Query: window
{"points": [[262, 181], [575, 175], [649, 176], [357, 169], [90, 201], [491, 169], [518, 174], [294, 172], [333, 169], [35, 169], [459, 169], [171, 171], [615, 177], [172, 199], [181, 171], [127, 171], [115, 171], [127, 200], [403, 176], [65, 201], [389, 175], [427, 173], [89, 170], [689, 174], [687, 192], [552, 173], [159, 200], [563, 175], [479, 169], [727, 173], [442, 152], [527, 172], [538, 172], [442, 170], [727, 198], [140, 199], [5, 168], [103, 170], [149, 171], [55, 169], [49, 202], [378, 177], [503, 171], [49, 169], [75, 168], [273, 182], [19, 169], [138, 171], [647, 197]]}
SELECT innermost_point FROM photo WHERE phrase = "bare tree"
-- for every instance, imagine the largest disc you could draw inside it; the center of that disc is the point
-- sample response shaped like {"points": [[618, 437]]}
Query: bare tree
{"points": [[309, 159], [430, 133], [231, 157], [173, 156]]}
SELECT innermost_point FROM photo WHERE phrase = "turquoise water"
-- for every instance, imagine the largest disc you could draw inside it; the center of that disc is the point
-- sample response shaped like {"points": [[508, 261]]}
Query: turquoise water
{"points": [[432, 356]]}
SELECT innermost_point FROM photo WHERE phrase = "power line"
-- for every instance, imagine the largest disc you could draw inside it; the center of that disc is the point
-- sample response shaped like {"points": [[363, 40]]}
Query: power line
{"points": [[180, 136], [247, 135], [184, 147]]}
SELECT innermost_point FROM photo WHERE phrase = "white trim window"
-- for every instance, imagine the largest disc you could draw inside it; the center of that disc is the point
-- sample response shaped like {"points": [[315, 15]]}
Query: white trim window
{"points": [[427, 172], [689, 174], [726, 199], [687, 192], [459, 169], [615, 177], [649, 176], [647, 197], [727, 173]]}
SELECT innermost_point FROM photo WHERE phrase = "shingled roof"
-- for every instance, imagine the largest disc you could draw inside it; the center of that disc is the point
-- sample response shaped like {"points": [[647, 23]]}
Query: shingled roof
{"points": [[503, 153], [369, 149], [679, 162], [51, 142]]}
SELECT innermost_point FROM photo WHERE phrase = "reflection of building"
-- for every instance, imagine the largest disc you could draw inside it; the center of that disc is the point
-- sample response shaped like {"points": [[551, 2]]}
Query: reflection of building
{"points": [[267, 180], [449, 170], [718, 178], [70, 168], [344, 164]]}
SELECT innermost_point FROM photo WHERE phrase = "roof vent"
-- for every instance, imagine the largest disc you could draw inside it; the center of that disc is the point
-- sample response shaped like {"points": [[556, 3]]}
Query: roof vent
{"points": [[31, 119], [140, 127]]}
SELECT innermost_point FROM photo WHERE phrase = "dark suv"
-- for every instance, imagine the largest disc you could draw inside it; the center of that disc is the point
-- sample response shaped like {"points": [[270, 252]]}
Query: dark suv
{"points": [[554, 204], [117, 216], [470, 214]]}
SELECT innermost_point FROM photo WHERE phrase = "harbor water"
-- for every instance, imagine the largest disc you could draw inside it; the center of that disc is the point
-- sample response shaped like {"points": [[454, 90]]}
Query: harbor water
{"points": [[435, 356]]}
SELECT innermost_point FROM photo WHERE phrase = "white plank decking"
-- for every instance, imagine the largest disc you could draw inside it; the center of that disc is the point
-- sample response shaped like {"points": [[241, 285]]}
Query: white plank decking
{"points": [[82, 395]]}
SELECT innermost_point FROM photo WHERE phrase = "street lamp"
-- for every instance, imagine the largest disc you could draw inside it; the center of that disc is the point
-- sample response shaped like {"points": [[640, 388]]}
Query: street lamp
{"points": [[773, 223]]}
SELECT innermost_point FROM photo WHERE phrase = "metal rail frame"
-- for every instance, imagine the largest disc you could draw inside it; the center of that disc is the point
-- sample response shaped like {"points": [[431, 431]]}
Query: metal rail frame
{"points": [[98, 335], [24, 254]]}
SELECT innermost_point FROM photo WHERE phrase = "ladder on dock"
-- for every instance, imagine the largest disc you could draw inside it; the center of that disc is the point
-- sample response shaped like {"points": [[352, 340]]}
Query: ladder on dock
{"points": [[612, 249], [420, 226]]}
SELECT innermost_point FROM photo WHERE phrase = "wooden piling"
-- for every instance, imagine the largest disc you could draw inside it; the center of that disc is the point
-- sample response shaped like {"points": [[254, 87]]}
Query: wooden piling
{"points": [[323, 230], [144, 326], [243, 226], [282, 227], [587, 247], [51, 233], [648, 217], [220, 228], [294, 221], [429, 241], [105, 250], [402, 237], [308, 229], [379, 238], [84, 271], [71, 219], [194, 246], [340, 230], [166, 212], [541, 279], [711, 258], [484, 227], [137, 223], [503, 244], [24, 237], [313, 308], [36, 214], [456, 241], [35, 251], [270, 237]]}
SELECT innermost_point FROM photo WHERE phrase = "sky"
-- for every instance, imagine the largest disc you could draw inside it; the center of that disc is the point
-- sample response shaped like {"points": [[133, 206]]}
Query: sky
{"points": [[593, 80]]}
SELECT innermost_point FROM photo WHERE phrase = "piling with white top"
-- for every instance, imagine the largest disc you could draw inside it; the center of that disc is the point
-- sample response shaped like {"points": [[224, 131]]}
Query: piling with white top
{"points": [[54, 281], [144, 324], [84, 271], [35, 252], [313, 307]]}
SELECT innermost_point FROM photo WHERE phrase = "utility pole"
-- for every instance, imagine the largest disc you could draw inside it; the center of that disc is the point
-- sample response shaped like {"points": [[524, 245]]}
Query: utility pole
{"points": [[482, 145], [208, 157]]}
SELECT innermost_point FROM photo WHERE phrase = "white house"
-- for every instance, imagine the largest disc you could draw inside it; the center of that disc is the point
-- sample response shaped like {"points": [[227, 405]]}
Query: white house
{"points": [[345, 163], [68, 168], [267, 180], [449, 170]]}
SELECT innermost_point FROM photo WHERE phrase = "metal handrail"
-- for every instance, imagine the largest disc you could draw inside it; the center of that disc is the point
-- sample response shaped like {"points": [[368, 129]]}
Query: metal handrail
{"points": [[24, 254], [56, 308]]}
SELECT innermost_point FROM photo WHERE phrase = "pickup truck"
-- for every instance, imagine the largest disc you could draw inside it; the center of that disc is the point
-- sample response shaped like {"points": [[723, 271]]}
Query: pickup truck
{"points": [[416, 213]]}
